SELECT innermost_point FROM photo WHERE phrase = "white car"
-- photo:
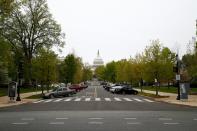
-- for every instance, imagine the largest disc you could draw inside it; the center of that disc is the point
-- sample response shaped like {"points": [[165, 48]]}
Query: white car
{"points": [[112, 89]]}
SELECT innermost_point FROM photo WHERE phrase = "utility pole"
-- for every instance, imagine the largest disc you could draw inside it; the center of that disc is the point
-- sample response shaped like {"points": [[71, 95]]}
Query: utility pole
{"points": [[178, 76]]}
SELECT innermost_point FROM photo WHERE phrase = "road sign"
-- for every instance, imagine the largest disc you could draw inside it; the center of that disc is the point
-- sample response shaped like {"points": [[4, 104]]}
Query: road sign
{"points": [[178, 77]]}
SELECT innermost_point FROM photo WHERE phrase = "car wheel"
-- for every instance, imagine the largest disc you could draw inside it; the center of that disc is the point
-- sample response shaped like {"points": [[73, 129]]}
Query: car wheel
{"points": [[51, 96], [123, 92], [135, 93]]}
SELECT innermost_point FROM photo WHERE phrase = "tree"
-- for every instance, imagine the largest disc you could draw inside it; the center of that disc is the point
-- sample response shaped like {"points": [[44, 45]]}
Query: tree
{"points": [[45, 67], [29, 28], [68, 69], [87, 73]]}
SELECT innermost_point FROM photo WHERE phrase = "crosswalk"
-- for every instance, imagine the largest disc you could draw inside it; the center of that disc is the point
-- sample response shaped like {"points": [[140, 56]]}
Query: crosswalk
{"points": [[90, 99]]}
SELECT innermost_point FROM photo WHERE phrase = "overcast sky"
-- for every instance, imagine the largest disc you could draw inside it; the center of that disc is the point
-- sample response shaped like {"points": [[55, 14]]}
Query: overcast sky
{"points": [[122, 28]]}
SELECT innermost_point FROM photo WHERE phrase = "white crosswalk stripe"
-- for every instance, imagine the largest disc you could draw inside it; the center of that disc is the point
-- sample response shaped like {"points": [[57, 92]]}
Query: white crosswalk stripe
{"points": [[117, 99], [127, 99], [57, 100], [107, 99], [48, 101], [77, 99], [68, 99], [97, 99], [87, 99], [138, 100], [148, 100], [38, 101]]}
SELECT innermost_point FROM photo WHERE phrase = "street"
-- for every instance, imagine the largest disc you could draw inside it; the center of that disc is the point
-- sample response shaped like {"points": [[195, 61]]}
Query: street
{"points": [[96, 109]]}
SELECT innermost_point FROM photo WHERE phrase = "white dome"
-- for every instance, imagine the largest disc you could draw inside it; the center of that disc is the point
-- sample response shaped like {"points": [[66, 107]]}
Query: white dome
{"points": [[98, 61]]}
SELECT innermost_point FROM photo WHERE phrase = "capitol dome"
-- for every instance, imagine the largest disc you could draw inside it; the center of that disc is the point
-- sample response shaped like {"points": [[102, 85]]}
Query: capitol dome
{"points": [[98, 61]]}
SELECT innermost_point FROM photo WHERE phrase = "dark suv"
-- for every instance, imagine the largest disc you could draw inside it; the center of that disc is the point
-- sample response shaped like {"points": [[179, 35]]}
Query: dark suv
{"points": [[59, 92]]}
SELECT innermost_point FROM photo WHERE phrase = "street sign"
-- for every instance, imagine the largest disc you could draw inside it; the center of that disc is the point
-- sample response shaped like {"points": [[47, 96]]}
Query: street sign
{"points": [[178, 77]]}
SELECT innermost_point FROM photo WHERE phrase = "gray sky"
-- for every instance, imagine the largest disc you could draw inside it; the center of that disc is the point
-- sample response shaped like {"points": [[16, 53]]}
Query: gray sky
{"points": [[122, 28]]}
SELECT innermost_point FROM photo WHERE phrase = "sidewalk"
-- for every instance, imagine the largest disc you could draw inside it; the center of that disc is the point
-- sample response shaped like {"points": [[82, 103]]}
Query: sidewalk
{"points": [[192, 99], [5, 100]]}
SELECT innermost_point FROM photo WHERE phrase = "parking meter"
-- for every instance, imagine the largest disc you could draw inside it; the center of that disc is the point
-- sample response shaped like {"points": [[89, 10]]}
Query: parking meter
{"points": [[12, 89]]}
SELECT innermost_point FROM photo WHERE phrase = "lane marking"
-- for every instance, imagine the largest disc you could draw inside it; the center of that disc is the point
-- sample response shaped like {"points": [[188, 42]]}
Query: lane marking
{"points": [[56, 123], [87, 99], [27, 119], [97, 99], [195, 119], [62, 118], [58, 100], [68, 99], [95, 122], [130, 118], [20, 123], [77, 99], [175, 123], [165, 119], [38, 101], [107, 99], [133, 123], [96, 118], [148, 100], [137, 99], [127, 99], [48, 101], [117, 99]]}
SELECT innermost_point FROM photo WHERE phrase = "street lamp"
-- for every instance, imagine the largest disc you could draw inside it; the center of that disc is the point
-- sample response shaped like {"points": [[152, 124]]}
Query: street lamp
{"points": [[20, 76], [178, 76]]}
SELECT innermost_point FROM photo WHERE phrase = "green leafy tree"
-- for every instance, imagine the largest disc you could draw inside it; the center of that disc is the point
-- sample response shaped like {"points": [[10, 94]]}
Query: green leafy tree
{"points": [[45, 67], [29, 28]]}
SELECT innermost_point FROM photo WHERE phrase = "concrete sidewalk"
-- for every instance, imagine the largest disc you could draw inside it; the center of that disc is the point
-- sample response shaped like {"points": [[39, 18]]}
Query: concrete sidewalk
{"points": [[192, 99], [5, 100]]}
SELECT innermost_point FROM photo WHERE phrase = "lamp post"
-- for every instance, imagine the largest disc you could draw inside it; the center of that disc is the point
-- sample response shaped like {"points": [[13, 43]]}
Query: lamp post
{"points": [[178, 76], [20, 76]]}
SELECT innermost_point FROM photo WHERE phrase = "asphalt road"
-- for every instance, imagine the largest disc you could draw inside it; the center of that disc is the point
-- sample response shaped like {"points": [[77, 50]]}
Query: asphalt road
{"points": [[98, 110]]}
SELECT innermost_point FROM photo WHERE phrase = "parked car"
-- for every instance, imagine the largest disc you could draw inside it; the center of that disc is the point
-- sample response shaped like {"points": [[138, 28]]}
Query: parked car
{"points": [[59, 92], [83, 86], [114, 88], [126, 89], [76, 87]]}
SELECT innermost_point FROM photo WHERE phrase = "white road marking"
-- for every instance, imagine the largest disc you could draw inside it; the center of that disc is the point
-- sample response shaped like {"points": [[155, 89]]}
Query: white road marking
{"points": [[38, 101], [117, 99], [130, 118], [96, 118], [137, 99], [62, 118], [95, 122], [58, 100], [165, 119], [77, 99], [87, 99], [148, 100], [27, 119], [195, 119], [175, 123], [97, 99], [56, 123], [107, 99], [48, 101], [127, 99], [20, 123], [68, 99], [133, 123]]}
